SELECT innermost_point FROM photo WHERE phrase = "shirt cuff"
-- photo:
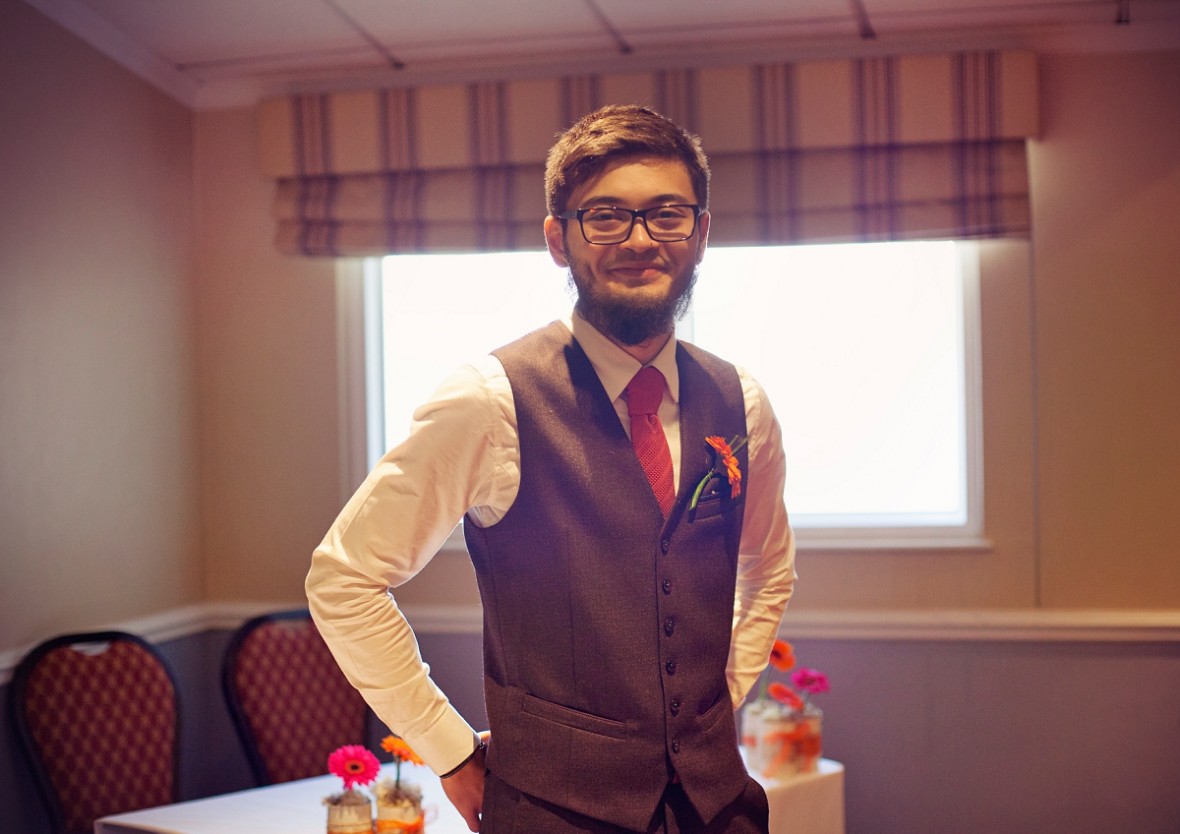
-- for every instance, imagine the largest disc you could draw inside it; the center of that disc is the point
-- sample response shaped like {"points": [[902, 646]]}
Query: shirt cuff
{"points": [[480, 744], [446, 745]]}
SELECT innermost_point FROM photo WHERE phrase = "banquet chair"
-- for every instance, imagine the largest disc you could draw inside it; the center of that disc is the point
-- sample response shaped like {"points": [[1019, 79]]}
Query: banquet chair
{"points": [[290, 703], [98, 719]]}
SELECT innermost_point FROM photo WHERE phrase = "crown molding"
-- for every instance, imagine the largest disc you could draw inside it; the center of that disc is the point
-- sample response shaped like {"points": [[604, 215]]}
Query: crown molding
{"points": [[247, 83], [81, 21]]}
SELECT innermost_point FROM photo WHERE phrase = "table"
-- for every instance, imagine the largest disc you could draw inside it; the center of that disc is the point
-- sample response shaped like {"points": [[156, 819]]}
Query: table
{"points": [[810, 804], [287, 808]]}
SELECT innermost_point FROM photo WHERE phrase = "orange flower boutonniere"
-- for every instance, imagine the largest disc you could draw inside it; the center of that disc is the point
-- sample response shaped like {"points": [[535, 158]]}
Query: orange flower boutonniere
{"points": [[725, 464]]}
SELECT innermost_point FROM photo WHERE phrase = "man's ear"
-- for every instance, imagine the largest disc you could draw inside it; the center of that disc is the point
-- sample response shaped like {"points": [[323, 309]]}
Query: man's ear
{"points": [[555, 240]]}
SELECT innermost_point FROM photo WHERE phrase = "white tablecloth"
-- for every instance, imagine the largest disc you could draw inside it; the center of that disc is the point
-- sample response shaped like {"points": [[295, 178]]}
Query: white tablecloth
{"points": [[812, 804], [288, 808]]}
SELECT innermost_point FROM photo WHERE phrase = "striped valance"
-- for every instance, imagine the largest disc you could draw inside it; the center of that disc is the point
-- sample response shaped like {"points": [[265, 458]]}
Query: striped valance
{"points": [[865, 149]]}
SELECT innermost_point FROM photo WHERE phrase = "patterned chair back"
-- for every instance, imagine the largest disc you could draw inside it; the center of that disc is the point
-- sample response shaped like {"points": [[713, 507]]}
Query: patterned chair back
{"points": [[291, 704], [97, 716]]}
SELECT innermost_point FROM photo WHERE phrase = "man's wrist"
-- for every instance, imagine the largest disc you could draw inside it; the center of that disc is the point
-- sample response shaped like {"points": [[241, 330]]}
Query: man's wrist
{"points": [[480, 745]]}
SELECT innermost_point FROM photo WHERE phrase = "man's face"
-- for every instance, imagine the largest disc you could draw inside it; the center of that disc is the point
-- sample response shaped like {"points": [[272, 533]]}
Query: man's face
{"points": [[631, 291]]}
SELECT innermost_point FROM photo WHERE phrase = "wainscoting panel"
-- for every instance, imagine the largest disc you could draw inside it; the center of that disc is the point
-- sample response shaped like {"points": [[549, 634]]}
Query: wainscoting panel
{"points": [[948, 725]]}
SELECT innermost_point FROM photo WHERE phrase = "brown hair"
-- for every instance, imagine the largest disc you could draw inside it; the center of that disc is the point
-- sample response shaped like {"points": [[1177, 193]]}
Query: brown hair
{"points": [[614, 131]]}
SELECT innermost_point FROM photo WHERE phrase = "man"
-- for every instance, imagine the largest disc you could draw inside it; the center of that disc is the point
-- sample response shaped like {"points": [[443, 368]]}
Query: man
{"points": [[633, 574]]}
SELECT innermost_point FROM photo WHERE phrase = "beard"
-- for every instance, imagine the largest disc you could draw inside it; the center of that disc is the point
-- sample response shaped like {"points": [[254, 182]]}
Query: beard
{"points": [[630, 319]]}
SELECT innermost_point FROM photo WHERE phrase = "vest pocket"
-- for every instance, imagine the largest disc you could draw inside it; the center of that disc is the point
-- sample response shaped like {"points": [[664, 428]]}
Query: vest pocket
{"points": [[716, 711], [714, 502], [567, 716]]}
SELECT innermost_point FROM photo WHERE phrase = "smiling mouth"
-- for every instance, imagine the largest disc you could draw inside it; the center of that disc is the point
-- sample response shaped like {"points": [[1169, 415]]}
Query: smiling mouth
{"points": [[639, 269]]}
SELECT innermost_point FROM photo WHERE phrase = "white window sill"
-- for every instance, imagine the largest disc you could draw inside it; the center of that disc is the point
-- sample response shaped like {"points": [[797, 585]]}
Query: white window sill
{"points": [[850, 542]]}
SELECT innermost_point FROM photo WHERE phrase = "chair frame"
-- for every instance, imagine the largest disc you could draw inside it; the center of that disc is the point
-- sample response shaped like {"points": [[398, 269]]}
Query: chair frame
{"points": [[18, 691], [241, 721]]}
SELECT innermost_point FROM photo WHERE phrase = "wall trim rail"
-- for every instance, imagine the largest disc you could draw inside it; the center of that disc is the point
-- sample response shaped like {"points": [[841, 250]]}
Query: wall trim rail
{"points": [[158, 627], [1029, 625]]}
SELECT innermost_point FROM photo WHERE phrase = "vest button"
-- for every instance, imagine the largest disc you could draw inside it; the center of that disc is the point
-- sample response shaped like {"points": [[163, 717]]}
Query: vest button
{"points": [[669, 626], [667, 586], [664, 545], [674, 707], [670, 667], [675, 745]]}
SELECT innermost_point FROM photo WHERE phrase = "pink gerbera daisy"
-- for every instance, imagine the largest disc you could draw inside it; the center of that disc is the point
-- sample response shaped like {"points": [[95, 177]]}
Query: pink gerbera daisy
{"points": [[354, 764]]}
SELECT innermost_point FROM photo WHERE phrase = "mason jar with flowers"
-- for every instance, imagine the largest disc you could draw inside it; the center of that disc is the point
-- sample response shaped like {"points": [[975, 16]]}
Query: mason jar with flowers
{"points": [[351, 811], [399, 803], [782, 729]]}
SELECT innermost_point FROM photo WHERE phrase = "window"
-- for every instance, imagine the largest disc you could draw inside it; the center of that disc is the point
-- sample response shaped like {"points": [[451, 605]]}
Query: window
{"points": [[869, 353]]}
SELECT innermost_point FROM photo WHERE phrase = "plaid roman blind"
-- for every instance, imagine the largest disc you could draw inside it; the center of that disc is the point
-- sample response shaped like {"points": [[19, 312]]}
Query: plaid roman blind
{"points": [[882, 148]]}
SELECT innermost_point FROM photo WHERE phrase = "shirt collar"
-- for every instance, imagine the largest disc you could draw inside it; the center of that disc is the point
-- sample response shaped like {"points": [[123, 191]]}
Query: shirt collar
{"points": [[614, 366]]}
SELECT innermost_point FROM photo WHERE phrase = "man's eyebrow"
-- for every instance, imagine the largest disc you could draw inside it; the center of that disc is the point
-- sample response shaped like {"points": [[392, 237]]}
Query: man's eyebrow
{"points": [[658, 200]]}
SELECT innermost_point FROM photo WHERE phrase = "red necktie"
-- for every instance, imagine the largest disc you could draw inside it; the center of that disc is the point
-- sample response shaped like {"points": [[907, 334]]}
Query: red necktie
{"points": [[644, 393]]}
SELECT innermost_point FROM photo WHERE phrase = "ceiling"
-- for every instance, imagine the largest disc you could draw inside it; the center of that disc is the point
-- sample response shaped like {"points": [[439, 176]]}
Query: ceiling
{"points": [[217, 53]]}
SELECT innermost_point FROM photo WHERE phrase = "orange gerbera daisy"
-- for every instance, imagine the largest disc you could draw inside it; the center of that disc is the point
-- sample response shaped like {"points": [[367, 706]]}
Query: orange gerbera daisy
{"points": [[785, 695], [725, 463], [732, 471], [782, 656], [401, 751]]}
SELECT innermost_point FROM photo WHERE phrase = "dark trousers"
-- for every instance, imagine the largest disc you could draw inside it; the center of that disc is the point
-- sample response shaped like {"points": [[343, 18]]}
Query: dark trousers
{"points": [[509, 811]]}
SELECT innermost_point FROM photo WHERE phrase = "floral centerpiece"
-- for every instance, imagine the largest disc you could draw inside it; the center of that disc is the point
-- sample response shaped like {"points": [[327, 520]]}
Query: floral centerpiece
{"points": [[351, 810], [399, 804], [782, 730]]}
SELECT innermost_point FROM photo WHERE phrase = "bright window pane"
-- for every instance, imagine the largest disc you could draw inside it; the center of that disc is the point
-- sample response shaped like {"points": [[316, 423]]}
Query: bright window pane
{"points": [[441, 311], [861, 349]]}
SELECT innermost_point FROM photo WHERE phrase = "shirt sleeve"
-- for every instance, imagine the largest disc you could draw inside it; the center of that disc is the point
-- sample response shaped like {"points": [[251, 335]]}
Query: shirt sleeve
{"points": [[766, 553], [460, 455]]}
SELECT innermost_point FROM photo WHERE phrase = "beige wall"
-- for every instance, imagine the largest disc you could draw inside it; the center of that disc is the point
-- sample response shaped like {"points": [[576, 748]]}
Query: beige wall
{"points": [[169, 418], [1107, 245], [266, 346], [99, 508]]}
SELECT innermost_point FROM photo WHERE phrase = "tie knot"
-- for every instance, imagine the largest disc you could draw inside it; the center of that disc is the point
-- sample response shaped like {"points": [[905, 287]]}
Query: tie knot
{"points": [[645, 391]]}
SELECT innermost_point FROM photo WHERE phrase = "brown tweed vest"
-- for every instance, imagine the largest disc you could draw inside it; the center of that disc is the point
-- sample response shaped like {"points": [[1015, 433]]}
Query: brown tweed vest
{"points": [[606, 629]]}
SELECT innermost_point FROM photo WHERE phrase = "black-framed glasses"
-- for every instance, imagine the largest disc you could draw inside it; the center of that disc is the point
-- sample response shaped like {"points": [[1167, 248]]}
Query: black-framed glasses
{"points": [[608, 225]]}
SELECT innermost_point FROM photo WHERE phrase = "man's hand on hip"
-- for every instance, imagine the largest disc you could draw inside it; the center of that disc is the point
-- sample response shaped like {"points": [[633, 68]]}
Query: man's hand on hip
{"points": [[464, 787]]}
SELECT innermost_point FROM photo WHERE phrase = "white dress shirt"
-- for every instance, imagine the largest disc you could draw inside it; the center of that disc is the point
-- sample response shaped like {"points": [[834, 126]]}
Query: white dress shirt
{"points": [[461, 458]]}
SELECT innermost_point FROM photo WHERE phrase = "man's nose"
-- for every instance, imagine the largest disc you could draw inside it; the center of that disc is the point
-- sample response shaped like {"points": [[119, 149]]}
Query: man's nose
{"points": [[639, 239]]}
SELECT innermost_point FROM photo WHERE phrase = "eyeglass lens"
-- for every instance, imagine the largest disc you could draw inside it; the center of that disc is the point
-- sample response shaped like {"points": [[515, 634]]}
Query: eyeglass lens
{"points": [[609, 224]]}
